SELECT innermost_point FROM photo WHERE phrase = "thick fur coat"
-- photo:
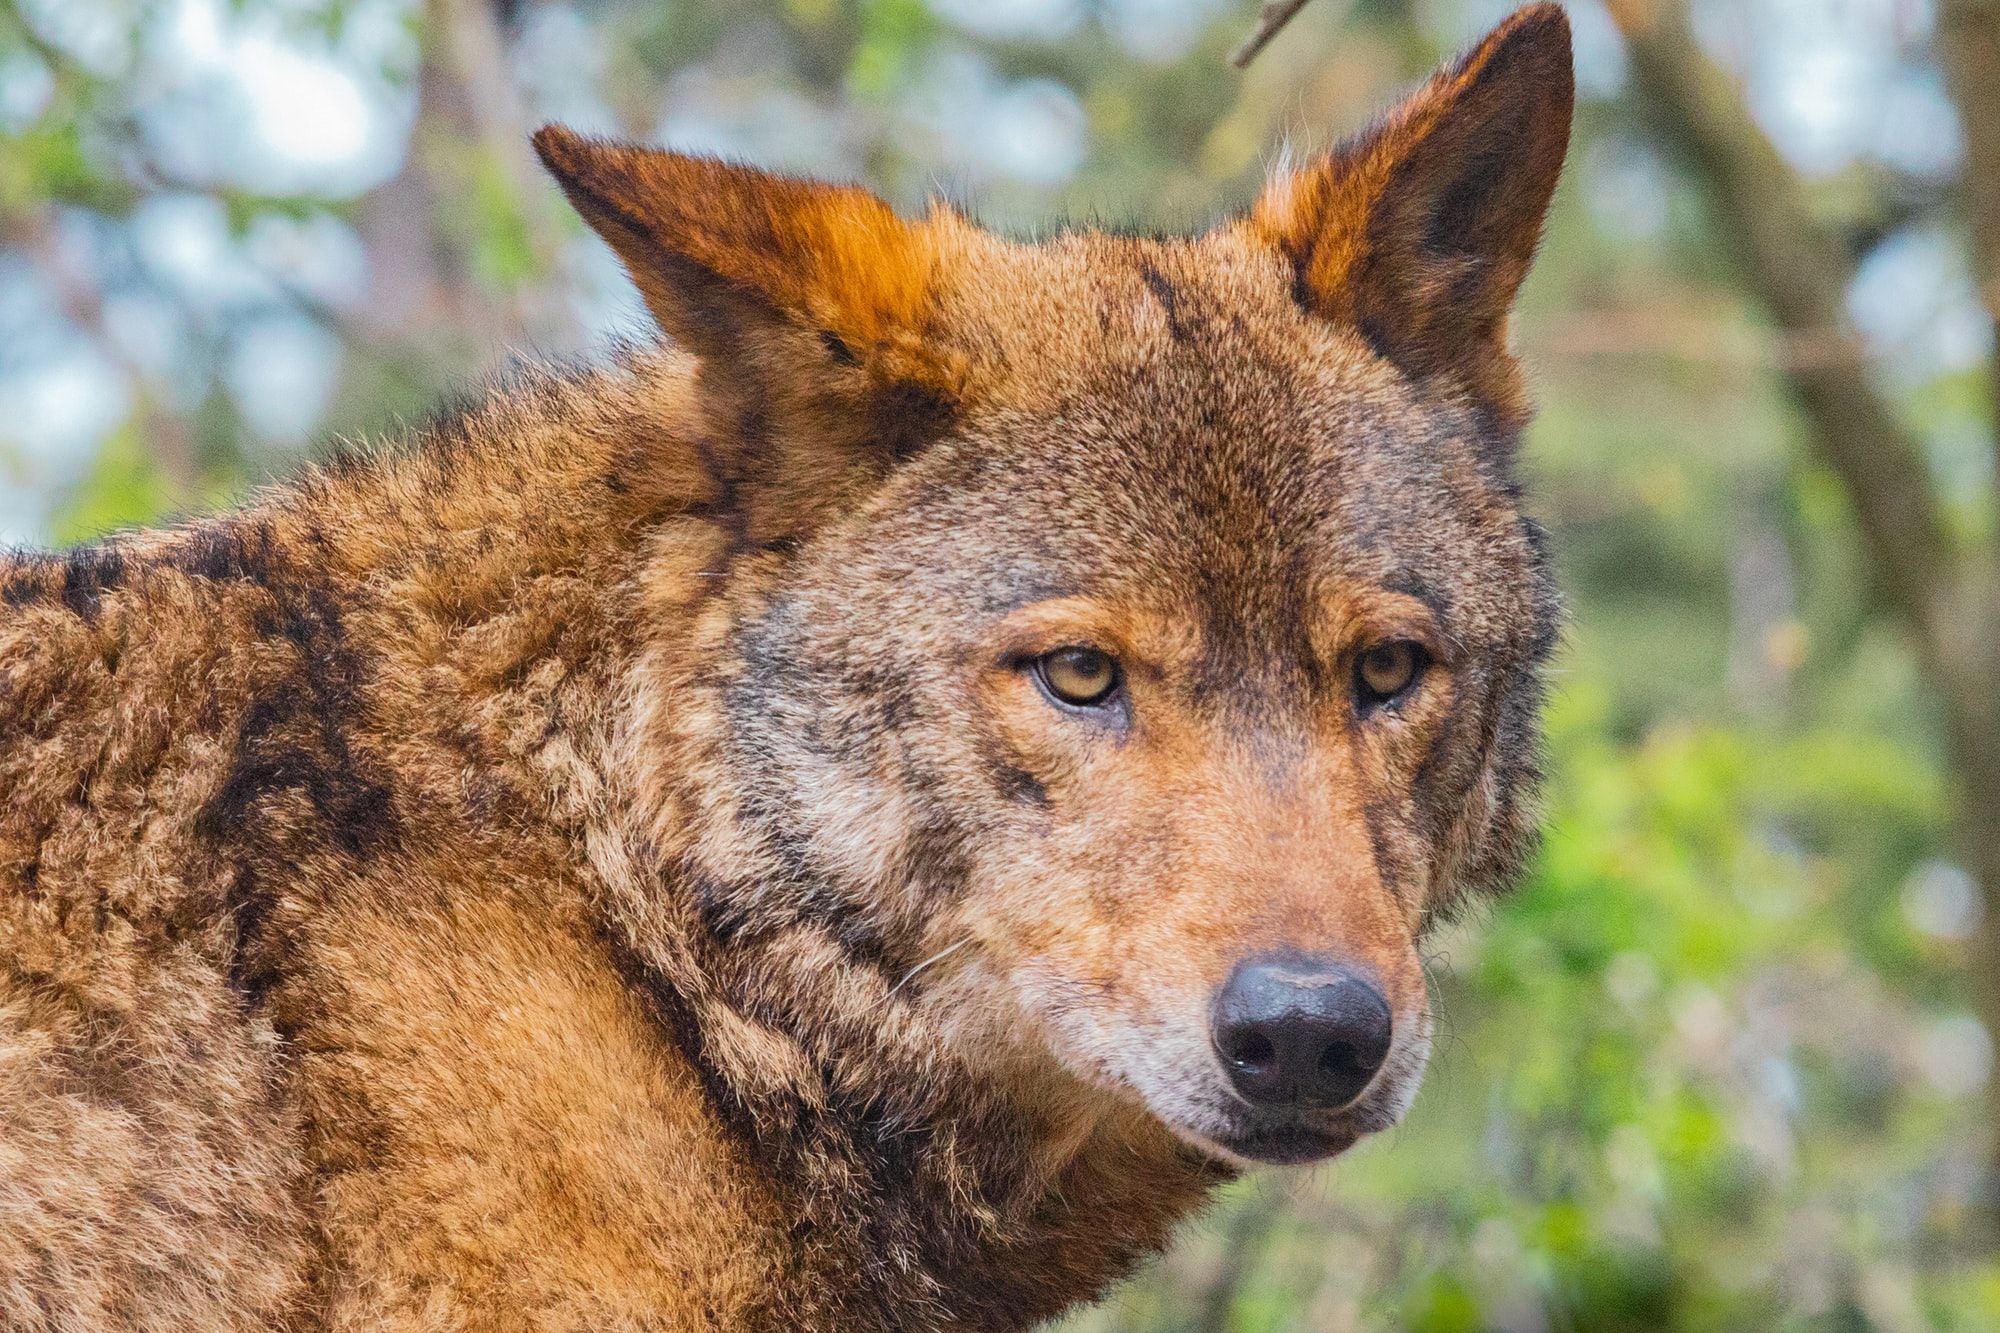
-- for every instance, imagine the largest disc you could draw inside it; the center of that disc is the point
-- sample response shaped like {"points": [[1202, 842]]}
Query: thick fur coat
{"points": [[614, 860]]}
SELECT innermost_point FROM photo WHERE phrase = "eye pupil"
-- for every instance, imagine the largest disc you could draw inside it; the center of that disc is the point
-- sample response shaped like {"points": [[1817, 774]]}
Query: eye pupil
{"points": [[1387, 670], [1079, 676]]}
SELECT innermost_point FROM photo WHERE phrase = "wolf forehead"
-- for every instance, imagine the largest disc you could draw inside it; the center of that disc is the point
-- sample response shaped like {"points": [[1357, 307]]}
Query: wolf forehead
{"points": [[1317, 389], [1171, 425]]}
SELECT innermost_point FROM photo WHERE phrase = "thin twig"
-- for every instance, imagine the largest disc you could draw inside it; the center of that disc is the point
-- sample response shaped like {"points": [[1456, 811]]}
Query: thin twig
{"points": [[1273, 16]]}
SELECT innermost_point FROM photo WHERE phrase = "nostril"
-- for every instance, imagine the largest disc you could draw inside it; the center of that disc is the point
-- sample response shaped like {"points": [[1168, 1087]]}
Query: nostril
{"points": [[1341, 1060], [1250, 1051]]}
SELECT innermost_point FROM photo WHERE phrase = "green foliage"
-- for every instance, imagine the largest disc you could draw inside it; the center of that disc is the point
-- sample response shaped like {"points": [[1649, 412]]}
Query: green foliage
{"points": [[489, 223], [123, 489]]}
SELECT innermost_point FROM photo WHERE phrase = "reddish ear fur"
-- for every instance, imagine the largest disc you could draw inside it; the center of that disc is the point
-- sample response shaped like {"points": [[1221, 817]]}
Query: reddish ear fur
{"points": [[807, 303], [720, 251], [1419, 232]]}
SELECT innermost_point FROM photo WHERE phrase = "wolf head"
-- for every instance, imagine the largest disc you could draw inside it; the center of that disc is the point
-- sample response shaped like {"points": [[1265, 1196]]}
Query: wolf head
{"points": [[1123, 649]]}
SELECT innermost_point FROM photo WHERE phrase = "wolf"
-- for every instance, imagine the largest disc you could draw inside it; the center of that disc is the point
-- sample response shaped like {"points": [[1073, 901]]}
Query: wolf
{"points": [[857, 817]]}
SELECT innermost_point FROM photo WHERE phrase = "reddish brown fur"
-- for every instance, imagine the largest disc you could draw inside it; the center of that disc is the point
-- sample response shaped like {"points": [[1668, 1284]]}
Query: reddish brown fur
{"points": [[606, 865], [1474, 155]]}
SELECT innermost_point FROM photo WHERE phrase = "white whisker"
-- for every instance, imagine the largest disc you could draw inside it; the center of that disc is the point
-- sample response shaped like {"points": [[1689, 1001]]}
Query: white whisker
{"points": [[926, 963]]}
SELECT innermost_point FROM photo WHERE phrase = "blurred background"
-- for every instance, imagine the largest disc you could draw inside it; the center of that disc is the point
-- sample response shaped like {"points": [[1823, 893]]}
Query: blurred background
{"points": [[1726, 1061]]}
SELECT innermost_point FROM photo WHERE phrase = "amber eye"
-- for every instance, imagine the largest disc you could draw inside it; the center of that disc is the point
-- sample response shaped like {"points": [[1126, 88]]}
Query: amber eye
{"points": [[1388, 670], [1080, 677]]}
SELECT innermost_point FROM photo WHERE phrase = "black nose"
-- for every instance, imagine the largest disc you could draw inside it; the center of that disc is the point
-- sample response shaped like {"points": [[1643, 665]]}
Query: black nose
{"points": [[1304, 1032]]}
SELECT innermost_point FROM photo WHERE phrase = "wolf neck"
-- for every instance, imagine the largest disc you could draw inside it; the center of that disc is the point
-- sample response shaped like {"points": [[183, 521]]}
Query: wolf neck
{"points": [[552, 472], [921, 1183]]}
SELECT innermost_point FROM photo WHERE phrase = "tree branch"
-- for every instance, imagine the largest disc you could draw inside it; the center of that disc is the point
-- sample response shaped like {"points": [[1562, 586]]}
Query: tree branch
{"points": [[1968, 44], [1799, 272], [477, 97]]}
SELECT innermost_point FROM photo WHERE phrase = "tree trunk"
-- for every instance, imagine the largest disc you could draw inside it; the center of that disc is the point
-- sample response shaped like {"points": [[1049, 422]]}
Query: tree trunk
{"points": [[1946, 594]]}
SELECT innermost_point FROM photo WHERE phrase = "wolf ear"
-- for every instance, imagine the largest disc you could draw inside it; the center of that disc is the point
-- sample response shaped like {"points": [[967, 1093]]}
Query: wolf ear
{"points": [[745, 268], [1419, 231]]}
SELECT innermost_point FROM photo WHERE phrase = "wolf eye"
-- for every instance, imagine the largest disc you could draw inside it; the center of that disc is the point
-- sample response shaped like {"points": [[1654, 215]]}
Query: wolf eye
{"points": [[1080, 677], [1388, 670]]}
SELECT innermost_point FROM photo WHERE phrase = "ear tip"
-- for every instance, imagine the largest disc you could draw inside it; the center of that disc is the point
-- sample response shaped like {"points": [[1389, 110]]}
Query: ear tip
{"points": [[1541, 27], [558, 146], [1545, 16], [1534, 41], [569, 153]]}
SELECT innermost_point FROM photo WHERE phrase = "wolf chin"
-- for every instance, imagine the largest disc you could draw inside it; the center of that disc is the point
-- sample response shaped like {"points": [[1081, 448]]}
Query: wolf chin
{"points": [[858, 818]]}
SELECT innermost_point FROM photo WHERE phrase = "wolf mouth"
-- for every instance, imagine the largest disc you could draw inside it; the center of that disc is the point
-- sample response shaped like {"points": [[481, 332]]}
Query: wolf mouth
{"points": [[1285, 1144]]}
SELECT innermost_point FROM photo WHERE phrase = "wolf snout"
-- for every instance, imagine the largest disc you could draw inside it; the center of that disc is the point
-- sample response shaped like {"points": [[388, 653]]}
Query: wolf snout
{"points": [[1308, 1034]]}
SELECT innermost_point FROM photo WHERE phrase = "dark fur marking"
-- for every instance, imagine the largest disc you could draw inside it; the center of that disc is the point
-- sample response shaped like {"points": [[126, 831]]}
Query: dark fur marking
{"points": [[1259, 676], [837, 348], [1021, 785], [866, 1137], [294, 737], [1548, 605], [1302, 294], [25, 585], [797, 888], [719, 916], [813, 899], [847, 922], [936, 855], [1511, 740], [252, 968], [1378, 338], [1448, 769], [1378, 816], [88, 572], [1026, 588], [890, 699], [1410, 583], [683, 1027], [1498, 444], [888, 1145], [726, 511], [1169, 299], [228, 554], [78, 578], [1461, 213], [905, 417]]}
